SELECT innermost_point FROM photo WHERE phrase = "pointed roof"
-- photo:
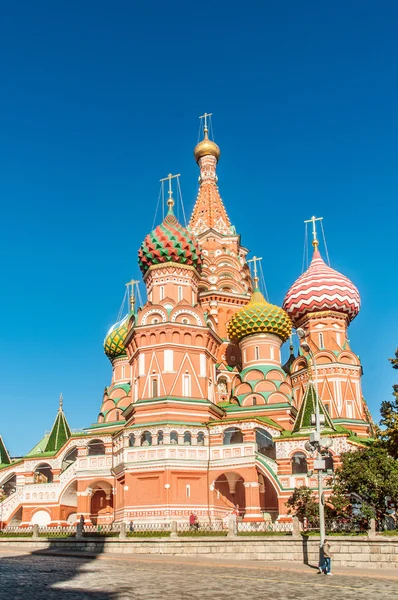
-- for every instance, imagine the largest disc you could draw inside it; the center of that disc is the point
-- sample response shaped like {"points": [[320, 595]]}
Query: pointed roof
{"points": [[4, 456], [308, 407], [209, 211], [60, 431]]}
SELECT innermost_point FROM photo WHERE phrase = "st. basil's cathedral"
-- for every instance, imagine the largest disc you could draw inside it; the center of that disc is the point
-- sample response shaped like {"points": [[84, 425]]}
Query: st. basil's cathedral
{"points": [[200, 414]]}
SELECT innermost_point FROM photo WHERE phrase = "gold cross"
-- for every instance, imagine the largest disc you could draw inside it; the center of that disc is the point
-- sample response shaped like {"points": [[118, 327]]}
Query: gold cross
{"points": [[254, 260], [170, 201], [205, 118], [313, 221], [61, 401]]}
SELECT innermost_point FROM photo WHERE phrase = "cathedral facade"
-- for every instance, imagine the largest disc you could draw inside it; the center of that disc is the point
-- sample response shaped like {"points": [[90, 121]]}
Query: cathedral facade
{"points": [[201, 414]]}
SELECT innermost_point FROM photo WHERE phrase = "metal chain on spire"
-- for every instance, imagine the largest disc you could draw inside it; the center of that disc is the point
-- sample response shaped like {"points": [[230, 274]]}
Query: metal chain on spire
{"points": [[121, 310], [305, 249], [263, 282], [179, 194], [157, 205], [324, 242]]}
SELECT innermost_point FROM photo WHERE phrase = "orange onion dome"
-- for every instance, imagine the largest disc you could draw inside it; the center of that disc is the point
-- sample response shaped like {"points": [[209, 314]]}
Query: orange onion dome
{"points": [[321, 288]]}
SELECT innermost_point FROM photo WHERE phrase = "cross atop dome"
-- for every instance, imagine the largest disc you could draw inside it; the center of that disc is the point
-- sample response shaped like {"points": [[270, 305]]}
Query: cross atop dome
{"points": [[313, 220], [170, 200], [255, 260]]}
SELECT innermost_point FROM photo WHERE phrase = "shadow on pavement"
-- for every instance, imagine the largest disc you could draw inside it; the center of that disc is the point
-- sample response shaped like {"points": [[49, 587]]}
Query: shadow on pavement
{"points": [[38, 576]]}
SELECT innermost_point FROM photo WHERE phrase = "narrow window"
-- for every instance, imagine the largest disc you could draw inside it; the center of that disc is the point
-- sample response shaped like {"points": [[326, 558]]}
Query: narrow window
{"points": [[272, 353], [254, 401], [350, 410], [338, 339], [162, 292], [321, 340], [186, 385], [188, 491], [154, 387], [123, 371], [257, 353], [179, 293]]}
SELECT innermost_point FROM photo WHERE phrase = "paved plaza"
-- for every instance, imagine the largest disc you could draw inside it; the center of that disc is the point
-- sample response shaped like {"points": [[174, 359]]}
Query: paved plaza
{"points": [[34, 576]]}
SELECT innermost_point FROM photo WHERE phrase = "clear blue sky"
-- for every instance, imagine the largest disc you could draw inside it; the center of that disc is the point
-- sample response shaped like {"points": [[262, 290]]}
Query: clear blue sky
{"points": [[99, 100]]}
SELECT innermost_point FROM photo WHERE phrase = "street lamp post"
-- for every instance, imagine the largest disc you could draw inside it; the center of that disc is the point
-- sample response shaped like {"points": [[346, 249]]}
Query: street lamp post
{"points": [[316, 442]]}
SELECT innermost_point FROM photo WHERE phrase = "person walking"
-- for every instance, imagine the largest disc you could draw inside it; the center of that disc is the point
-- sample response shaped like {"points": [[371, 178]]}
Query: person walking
{"points": [[327, 557]]}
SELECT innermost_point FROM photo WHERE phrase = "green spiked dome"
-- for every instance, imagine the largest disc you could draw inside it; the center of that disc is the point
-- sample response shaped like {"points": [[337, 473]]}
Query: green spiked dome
{"points": [[114, 340], [60, 431], [259, 316], [169, 242]]}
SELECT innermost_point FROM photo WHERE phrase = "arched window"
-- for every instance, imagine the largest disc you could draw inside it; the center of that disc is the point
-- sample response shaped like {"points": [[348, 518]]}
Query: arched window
{"points": [[96, 447], [160, 438], [232, 435], [201, 438], [299, 464], [329, 464], [9, 486], [257, 353], [179, 293], [146, 438], [254, 401], [43, 474], [154, 387], [69, 458], [173, 437], [187, 438], [222, 385], [265, 445], [131, 440], [321, 340]]}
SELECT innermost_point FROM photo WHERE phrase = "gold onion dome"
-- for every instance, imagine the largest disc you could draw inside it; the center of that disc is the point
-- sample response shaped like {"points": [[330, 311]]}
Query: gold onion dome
{"points": [[114, 340], [206, 148], [259, 316]]}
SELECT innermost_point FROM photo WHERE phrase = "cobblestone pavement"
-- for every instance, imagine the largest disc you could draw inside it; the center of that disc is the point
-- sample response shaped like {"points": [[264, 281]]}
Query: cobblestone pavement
{"points": [[36, 577]]}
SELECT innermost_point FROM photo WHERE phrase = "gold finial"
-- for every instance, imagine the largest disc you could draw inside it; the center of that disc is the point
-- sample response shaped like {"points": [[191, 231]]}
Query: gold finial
{"points": [[170, 201], [255, 260], [132, 283], [205, 128], [61, 401], [206, 147], [313, 220]]}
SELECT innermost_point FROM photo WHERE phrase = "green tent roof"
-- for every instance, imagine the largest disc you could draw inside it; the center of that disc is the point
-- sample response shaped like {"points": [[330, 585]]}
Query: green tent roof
{"points": [[4, 456], [60, 432], [308, 408]]}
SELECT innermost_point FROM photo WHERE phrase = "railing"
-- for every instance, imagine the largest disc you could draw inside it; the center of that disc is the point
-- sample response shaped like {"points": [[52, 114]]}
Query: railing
{"points": [[202, 529], [336, 526], [264, 528], [148, 530]]}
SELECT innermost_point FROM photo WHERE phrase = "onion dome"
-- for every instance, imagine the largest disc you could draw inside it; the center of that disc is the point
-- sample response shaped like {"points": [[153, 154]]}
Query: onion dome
{"points": [[206, 148], [114, 340], [259, 316], [321, 288], [169, 242]]}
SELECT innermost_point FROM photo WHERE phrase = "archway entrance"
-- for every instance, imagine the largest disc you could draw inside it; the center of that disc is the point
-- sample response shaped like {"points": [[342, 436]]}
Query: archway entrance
{"points": [[68, 502], [268, 497], [230, 492], [101, 504]]}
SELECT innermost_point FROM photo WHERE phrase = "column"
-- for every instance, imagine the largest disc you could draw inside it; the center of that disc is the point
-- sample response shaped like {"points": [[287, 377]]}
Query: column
{"points": [[253, 505]]}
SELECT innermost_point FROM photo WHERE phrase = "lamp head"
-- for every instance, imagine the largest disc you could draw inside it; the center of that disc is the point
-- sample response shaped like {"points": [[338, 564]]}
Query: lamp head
{"points": [[305, 346], [308, 446], [301, 333], [326, 443]]}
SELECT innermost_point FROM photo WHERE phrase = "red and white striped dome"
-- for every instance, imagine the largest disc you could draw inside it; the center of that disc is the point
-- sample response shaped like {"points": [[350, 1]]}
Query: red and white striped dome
{"points": [[321, 288]]}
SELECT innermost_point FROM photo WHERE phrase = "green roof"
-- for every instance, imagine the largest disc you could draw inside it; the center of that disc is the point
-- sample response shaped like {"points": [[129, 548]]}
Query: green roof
{"points": [[307, 409], [4, 456], [60, 432]]}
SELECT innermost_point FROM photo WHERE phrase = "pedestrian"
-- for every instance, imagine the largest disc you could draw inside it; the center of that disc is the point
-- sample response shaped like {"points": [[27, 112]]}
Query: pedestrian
{"points": [[327, 557], [131, 527], [80, 527], [193, 521]]}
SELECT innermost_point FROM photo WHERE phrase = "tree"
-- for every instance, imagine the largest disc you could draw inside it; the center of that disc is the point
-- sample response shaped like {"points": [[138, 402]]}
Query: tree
{"points": [[389, 420], [370, 473], [303, 504]]}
